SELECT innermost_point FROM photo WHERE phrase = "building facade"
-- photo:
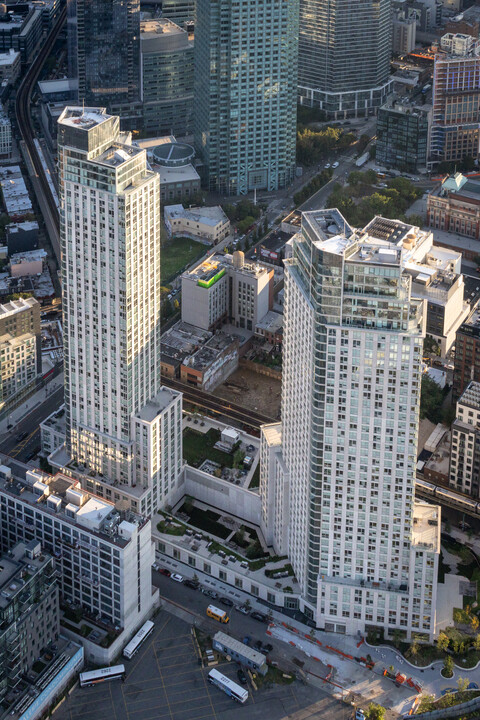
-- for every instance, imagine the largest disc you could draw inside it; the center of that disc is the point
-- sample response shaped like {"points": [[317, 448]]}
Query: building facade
{"points": [[226, 289], [245, 94], [467, 356], [456, 104], [344, 56], [465, 452], [20, 349], [404, 30], [110, 239], [364, 552], [403, 136], [207, 224], [104, 50], [103, 556], [454, 206], [29, 611], [167, 78]]}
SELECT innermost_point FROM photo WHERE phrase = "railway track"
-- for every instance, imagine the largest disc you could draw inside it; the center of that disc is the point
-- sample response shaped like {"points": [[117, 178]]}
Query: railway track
{"points": [[24, 122], [210, 402]]}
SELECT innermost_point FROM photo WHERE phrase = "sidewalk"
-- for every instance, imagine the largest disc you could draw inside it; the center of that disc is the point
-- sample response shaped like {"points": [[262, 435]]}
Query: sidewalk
{"points": [[9, 423]]}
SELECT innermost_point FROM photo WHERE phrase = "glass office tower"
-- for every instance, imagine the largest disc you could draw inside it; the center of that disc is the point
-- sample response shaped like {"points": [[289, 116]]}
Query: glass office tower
{"points": [[344, 55], [104, 50], [245, 93]]}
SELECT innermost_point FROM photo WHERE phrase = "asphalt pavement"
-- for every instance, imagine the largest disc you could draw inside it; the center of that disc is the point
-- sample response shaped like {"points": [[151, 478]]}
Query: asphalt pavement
{"points": [[30, 425]]}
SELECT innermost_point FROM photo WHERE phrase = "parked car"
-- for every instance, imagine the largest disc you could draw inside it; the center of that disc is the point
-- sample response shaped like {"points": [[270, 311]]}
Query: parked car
{"points": [[259, 616], [226, 601], [359, 715], [176, 577], [242, 609], [194, 584], [241, 676], [164, 571], [327, 166], [335, 164], [209, 593]]}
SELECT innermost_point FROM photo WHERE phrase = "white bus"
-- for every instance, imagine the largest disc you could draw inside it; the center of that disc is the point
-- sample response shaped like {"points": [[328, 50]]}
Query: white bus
{"points": [[228, 686], [93, 677], [134, 644]]}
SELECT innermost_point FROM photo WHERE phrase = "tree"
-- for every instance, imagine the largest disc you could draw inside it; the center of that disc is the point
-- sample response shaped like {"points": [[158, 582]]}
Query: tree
{"points": [[476, 642], [375, 712], [397, 637], [443, 642], [431, 399], [462, 684], [247, 604], [414, 649], [448, 666], [474, 623], [176, 305]]}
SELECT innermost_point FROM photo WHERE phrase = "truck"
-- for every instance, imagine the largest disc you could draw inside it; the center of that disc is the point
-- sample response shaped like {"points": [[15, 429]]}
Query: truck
{"points": [[362, 159]]}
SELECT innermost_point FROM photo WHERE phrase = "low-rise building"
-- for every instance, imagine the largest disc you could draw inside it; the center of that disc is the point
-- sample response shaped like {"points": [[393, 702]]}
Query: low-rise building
{"points": [[403, 135], [22, 237], [437, 467], [20, 349], [27, 263], [454, 206], [15, 194], [10, 66], [211, 364], [179, 181], [21, 29], [270, 327], [465, 453], [226, 288], [209, 225]]}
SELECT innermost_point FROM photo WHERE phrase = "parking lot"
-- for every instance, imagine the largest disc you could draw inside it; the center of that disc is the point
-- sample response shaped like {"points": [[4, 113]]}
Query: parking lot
{"points": [[165, 682]]}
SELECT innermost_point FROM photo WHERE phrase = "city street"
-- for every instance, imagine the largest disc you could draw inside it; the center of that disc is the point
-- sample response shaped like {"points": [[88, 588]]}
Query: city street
{"points": [[43, 403]]}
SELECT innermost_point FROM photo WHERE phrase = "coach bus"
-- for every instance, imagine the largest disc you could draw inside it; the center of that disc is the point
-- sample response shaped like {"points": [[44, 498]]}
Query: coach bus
{"points": [[94, 677], [228, 686], [137, 640], [219, 615]]}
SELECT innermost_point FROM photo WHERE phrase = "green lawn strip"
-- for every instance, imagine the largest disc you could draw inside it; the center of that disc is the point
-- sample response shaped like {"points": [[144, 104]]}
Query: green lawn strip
{"points": [[177, 254], [198, 447]]}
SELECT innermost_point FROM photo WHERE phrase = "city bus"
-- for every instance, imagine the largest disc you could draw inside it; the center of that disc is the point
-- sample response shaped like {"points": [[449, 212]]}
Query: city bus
{"points": [[137, 640], [228, 686], [94, 677], [219, 615]]}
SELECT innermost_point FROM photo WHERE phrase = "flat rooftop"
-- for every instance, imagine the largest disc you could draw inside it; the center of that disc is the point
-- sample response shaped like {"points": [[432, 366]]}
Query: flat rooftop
{"points": [[84, 118], [50, 493], [158, 404]]}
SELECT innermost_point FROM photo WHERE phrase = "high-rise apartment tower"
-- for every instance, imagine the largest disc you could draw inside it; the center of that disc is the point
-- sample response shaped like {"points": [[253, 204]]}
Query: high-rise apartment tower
{"points": [[119, 421], [337, 481], [344, 55], [245, 93]]}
